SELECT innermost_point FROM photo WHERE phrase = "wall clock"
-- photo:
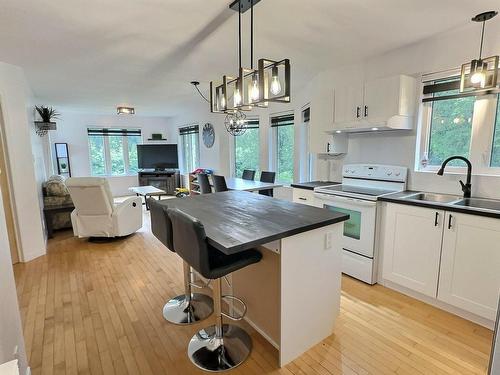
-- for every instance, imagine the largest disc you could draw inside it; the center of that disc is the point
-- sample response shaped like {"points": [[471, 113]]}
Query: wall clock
{"points": [[208, 134]]}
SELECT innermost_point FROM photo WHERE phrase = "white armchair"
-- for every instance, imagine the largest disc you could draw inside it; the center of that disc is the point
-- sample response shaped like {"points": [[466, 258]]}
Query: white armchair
{"points": [[95, 214]]}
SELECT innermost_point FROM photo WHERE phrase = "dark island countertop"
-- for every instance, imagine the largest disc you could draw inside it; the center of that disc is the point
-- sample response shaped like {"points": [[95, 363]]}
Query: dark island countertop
{"points": [[312, 184], [236, 220], [491, 207]]}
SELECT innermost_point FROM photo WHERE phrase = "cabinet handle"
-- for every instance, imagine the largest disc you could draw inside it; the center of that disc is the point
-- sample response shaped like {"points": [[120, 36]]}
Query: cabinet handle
{"points": [[302, 199], [358, 111], [366, 111], [449, 221], [436, 219]]}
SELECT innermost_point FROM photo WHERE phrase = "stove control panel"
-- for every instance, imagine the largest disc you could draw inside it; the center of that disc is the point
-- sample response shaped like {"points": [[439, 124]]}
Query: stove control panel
{"points": [[375, 172]]}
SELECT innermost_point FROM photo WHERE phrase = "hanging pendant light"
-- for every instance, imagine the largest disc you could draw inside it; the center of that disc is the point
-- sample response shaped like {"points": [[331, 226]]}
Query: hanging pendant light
{"points": [[481, 73]]}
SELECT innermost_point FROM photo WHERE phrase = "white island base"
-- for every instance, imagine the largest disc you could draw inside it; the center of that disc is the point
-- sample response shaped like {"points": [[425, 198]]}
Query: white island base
{"points": [[293, 293]]}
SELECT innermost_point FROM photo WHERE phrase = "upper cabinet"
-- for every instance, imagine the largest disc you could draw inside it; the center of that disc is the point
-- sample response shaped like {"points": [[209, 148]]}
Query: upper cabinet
{"points": [[384, 104]]}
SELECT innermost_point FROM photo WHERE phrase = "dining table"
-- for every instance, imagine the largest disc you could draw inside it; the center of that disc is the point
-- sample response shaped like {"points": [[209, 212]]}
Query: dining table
{"points": [[235, 183]]}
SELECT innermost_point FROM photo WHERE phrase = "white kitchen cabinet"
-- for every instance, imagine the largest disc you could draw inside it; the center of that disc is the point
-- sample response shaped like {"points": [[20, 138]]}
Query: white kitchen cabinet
{"points": [[304, 196], [348, 105], [411, 243], [385, 104], [470, 263]]}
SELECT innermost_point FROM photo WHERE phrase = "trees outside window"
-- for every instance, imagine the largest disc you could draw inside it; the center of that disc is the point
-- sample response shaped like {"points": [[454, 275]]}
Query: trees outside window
{"points": [[190, 147], [284, 134], [247, 149], [113, 152]]}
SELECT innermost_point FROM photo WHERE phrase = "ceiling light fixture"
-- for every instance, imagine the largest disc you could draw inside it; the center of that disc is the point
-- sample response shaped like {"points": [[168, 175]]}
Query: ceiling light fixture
{"points": [[125, 110], [481, 73], [270, 82]]}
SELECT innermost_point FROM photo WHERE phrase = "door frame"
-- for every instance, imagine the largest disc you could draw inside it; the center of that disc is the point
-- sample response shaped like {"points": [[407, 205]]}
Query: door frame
{"points": [[6, 194]]}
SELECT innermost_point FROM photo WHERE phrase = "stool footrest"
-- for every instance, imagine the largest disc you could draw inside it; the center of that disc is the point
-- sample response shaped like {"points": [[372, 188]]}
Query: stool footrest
{"points": [[235, 318]]}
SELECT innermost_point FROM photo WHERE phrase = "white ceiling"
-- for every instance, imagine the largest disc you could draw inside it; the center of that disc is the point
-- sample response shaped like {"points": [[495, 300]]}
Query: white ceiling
{"points": [[94, 54]]}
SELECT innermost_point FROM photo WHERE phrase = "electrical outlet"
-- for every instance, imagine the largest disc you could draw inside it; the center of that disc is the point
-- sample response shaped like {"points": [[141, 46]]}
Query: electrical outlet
{"points": [[328, 240]]}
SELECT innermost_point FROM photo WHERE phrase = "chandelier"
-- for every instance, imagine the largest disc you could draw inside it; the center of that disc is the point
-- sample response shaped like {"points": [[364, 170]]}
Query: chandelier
{"points": [[235, 123], [269, 82]]}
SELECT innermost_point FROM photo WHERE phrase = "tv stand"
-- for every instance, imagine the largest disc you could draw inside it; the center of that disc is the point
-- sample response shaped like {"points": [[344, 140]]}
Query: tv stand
{"points": [[167, 180]]}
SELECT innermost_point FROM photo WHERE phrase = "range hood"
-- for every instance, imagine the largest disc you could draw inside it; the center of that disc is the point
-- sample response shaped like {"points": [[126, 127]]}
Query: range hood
{"points": [[396, 122]]}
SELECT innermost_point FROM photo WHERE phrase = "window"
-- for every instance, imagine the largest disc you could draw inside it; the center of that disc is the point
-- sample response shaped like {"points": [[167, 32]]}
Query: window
{"points": [[458, 124], [450, 128], [495, 149], [247, 149], [113, 152], [190, 147], [284, 134]]}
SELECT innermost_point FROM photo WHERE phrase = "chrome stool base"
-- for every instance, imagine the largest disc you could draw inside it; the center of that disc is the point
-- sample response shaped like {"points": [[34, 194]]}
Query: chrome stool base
{"points": [[210, 353], [179, 311]]}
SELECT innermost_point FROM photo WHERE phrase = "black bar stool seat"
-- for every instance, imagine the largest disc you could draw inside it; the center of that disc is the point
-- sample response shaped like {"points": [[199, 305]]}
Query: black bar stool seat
{"points": [[189, 307], [219, 347]]}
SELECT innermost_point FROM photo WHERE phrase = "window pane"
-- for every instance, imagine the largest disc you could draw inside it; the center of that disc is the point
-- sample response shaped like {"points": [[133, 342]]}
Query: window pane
{"points": [[116, 155], [495, 152], [247, 151], [97, 160], [190, 145], [451, 125], [284, 160], [133, 141]]}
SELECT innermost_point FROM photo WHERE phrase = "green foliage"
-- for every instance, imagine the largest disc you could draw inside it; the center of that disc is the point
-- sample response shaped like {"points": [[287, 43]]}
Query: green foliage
{"points": [[47, 114], [285, 153], [247, 151], [451, 126], [190, 144], [97, 160], [133, 141], [495, 153]]}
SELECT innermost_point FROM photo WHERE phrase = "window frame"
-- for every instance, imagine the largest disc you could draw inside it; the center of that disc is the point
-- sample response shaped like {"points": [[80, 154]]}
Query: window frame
{"points": [[107, 152], [233, 149], [482, 132], [274, 145]]}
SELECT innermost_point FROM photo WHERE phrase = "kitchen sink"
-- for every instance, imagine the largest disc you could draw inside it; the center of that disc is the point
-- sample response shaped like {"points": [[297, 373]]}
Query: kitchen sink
{"points": [[488, 204], [433, 197]]}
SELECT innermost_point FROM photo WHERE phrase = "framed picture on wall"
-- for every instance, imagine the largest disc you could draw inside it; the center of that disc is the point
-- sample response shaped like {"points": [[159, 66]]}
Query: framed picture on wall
{"points": [[62, 159]]}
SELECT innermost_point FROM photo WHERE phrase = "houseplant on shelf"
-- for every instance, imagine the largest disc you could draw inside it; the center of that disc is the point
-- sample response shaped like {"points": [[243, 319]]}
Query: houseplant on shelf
{"points": [[47, 114]]}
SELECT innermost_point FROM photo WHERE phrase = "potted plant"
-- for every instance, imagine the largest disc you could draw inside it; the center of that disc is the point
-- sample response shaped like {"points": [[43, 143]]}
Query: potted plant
{"points": [[47, 114]]}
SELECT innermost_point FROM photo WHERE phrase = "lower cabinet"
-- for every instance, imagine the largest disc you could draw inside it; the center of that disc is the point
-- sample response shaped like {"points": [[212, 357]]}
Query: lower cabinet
{"points": [[450, 256], [304, 196], [470, 264], [411, 244]]}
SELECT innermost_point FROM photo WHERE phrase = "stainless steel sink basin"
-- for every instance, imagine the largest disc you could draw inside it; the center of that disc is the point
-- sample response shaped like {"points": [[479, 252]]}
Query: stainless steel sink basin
{"points": [[433, 197], [488, 204]]}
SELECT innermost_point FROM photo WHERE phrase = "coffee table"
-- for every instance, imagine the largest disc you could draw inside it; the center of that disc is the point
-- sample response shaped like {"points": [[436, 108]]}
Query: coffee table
{"points": [[147, 191]]}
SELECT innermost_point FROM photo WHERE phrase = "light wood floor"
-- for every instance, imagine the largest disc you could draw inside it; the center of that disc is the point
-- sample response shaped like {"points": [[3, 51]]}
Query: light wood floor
{"points": [[97, 309]]}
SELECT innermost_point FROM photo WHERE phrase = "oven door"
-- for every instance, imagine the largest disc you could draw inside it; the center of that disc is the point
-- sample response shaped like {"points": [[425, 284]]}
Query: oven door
{"points": [[359, 230]]}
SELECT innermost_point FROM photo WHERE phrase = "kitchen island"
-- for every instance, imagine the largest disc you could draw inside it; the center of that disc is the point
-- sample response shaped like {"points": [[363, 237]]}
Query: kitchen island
{"points": [[293, 293]]}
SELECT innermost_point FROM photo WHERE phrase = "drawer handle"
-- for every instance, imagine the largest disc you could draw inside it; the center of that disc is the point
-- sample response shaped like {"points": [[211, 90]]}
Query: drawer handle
{"points": [[436, 219], [366, 111], [358, 110], [450, 221], [302, 199]]}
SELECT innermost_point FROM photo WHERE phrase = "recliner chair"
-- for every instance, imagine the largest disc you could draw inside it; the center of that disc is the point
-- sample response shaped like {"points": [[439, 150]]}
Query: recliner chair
{"points": [[96, 215]]}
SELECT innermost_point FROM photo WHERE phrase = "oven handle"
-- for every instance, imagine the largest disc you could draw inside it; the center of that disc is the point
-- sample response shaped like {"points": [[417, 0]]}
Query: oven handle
{"points": [[337, 198]]}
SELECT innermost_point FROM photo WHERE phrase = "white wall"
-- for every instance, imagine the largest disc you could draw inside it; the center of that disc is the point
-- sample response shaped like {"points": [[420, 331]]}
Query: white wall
{"points": [[14, 100], [72, 129], [439, 53]]}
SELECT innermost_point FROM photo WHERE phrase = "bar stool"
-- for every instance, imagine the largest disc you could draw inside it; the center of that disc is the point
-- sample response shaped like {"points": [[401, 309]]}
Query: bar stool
{"points": [[267, 177], [219, 183], [189, 307], [248, 174], [205, 187], [222, 346]]}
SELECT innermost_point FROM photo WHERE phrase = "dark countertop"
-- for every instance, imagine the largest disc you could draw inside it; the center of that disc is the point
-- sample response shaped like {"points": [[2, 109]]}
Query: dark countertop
{"points": [[400, 198], [236, 220], [312, 184]]}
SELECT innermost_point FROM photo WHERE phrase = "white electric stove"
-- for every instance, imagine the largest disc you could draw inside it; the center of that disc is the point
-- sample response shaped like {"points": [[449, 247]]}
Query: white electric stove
{"points": [[357, 196]]}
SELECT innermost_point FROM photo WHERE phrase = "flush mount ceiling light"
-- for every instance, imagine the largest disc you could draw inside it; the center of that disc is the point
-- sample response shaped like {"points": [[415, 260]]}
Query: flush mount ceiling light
{"points": [[481, 73], [125, 110], [270, 82]]}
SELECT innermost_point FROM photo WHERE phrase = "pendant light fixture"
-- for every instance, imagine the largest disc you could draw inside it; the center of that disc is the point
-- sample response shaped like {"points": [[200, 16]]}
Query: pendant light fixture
{"points": [[481, 73]]}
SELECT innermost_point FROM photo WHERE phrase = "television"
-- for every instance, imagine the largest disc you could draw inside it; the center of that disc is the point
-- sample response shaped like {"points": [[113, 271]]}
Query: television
{"points": [[162, 156]]}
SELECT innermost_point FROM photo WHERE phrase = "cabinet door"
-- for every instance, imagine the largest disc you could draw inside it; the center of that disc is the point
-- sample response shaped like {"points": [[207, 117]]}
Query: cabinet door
{"points": [[470, 264], [411, 245], [348, 105], [381, 99]]}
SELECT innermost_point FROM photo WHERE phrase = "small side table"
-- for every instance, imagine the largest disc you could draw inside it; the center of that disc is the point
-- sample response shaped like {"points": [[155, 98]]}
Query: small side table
{"points": [[147, 191], [49, 211]]}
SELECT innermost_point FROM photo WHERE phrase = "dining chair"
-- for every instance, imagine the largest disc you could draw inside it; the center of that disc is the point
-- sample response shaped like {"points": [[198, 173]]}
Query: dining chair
{"points": [[205, 187], [248, 174], [219, 183], [267, 177]]}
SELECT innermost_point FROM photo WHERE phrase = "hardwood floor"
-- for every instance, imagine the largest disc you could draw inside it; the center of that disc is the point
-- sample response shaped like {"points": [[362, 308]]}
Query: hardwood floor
{"points": [[97, 309]]}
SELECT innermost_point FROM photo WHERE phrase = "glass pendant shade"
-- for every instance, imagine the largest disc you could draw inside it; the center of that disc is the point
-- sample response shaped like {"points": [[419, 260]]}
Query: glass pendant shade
{"points": [[250, 82], [274, 81], [218, 97], [479, 74]]}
